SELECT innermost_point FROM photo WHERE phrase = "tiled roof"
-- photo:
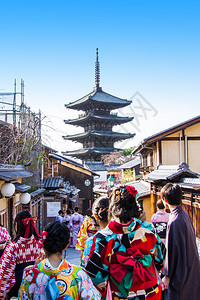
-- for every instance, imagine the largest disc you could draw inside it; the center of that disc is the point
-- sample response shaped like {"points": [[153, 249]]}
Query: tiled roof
{"points": [[59, 157], [95, 166], [37, 192], [84, 151], [170, 172], [99, 97], [130, 164], [52, 182], [141, 186], [114, 119], [98, 133], [19, 187], [190, 183], [10, 172]]}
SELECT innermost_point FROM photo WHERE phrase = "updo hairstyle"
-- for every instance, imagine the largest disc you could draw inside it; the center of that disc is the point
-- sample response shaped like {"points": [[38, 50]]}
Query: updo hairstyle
{"points": [[123, 204], [100, 208], [57, 237], [21, 228]]}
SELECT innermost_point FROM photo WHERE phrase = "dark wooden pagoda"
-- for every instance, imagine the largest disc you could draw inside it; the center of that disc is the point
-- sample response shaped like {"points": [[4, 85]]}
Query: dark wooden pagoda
{"points": [[97, 121]]}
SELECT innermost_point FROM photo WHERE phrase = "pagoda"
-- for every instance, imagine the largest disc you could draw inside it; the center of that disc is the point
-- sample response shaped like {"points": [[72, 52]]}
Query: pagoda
{"points": [[97, 121]]}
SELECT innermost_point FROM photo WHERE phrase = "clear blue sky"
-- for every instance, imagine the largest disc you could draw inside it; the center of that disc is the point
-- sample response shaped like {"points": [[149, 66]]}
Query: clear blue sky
{"points": [[148, 46]]}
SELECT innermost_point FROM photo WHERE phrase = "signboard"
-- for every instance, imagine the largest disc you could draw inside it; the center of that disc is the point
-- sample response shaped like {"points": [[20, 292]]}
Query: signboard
{"points": [[53, 208]]}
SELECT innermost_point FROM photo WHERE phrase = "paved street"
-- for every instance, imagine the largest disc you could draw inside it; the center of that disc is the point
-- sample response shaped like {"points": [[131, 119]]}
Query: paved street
{"points": [[73, 256]]}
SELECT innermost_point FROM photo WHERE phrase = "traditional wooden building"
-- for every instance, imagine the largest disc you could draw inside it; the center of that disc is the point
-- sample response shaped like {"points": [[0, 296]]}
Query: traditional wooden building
{"points": [[97, 121], [189, 182], [180, 143], [68, 171], [10, 205]]}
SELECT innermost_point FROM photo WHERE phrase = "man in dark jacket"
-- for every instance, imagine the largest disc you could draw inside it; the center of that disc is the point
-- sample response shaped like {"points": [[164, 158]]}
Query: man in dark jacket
{"points": [[182, 265]]}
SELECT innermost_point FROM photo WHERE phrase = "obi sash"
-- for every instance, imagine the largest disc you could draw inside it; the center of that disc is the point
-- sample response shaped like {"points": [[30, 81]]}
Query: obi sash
{"points": [[18, 278], [75, 222]]}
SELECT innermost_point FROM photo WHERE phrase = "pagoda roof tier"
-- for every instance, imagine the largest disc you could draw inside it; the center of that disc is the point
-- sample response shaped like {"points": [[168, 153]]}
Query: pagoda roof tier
{"points": [[112, 119], [89, 152], [99, 134], [96, 99]]}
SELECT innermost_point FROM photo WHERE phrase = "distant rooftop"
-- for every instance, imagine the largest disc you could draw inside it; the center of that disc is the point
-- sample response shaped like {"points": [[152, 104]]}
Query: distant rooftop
{"points": [[11, 172], [130, 164], [170, 172]]}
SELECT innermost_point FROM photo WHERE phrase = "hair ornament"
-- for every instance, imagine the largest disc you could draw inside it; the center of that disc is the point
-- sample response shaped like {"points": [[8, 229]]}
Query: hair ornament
{"points": [[43, 238], [117, 192], [131, 190], [28, 222]]}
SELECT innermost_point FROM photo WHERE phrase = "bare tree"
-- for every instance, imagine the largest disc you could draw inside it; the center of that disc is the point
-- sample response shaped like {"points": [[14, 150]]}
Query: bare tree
{"points": [[18, 144]]}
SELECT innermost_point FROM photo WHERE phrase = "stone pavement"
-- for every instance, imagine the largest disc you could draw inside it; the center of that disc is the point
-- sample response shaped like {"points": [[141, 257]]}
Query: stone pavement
{"points": [[73, 256]]}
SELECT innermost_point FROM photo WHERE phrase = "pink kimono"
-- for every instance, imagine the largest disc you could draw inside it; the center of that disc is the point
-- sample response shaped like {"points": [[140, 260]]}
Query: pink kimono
{"points": [[75, 224]]}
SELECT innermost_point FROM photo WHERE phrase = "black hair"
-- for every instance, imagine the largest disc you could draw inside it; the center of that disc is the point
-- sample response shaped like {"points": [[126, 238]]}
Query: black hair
{"points": [[76, 208], [88, 212], [100, 208], [21, 228], [160, 204], [68, 211], [57, 238], [173, 193], [60, 212], [123, 205]]}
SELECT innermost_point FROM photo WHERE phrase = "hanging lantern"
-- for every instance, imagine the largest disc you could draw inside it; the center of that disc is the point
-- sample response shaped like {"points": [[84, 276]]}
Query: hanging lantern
{"points": [[25, 198], [7, 189]]}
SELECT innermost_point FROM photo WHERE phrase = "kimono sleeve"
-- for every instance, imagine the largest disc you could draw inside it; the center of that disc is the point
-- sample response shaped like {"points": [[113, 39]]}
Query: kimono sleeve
{"points": [[82, 235], [7, 270], [98, 264], [23, 290], [86, 289], [176, 258]]}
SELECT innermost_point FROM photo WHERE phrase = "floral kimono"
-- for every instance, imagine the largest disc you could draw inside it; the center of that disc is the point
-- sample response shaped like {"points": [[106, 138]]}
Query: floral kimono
{"points": [[122, 259], [87, 230], [43, 282]]}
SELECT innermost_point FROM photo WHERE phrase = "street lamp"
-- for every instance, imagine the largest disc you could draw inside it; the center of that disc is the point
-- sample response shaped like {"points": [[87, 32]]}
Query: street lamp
{"points": [[7, 189], [25, 198], [111, 181]]}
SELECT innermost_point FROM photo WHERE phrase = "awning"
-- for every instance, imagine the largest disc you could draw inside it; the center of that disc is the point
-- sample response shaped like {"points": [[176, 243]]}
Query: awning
{"points": [[19, 187], [75, 191], [63, 196], [71, 199], [37, 192]]}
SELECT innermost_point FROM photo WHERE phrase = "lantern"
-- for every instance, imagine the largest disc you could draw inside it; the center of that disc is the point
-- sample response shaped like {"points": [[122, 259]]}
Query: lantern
{"points": [[7, 189], [111, 181], [25, 198]]}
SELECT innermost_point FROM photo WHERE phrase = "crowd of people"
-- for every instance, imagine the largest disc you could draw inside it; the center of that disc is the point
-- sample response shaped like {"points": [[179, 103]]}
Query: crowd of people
{"points": [[122, 255]]}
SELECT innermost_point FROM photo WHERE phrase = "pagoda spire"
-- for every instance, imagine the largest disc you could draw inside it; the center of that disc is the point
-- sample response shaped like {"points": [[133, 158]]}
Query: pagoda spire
{"points": [[97, 71]]}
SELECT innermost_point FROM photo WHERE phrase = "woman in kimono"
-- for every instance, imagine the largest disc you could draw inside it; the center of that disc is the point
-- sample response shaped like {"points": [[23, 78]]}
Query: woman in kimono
{"points": [[124, 254], [5, 239], [54, 277], [18, 254], [88, 228], [100, 213], [160, 220], [182, 266], [75, 224]]}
